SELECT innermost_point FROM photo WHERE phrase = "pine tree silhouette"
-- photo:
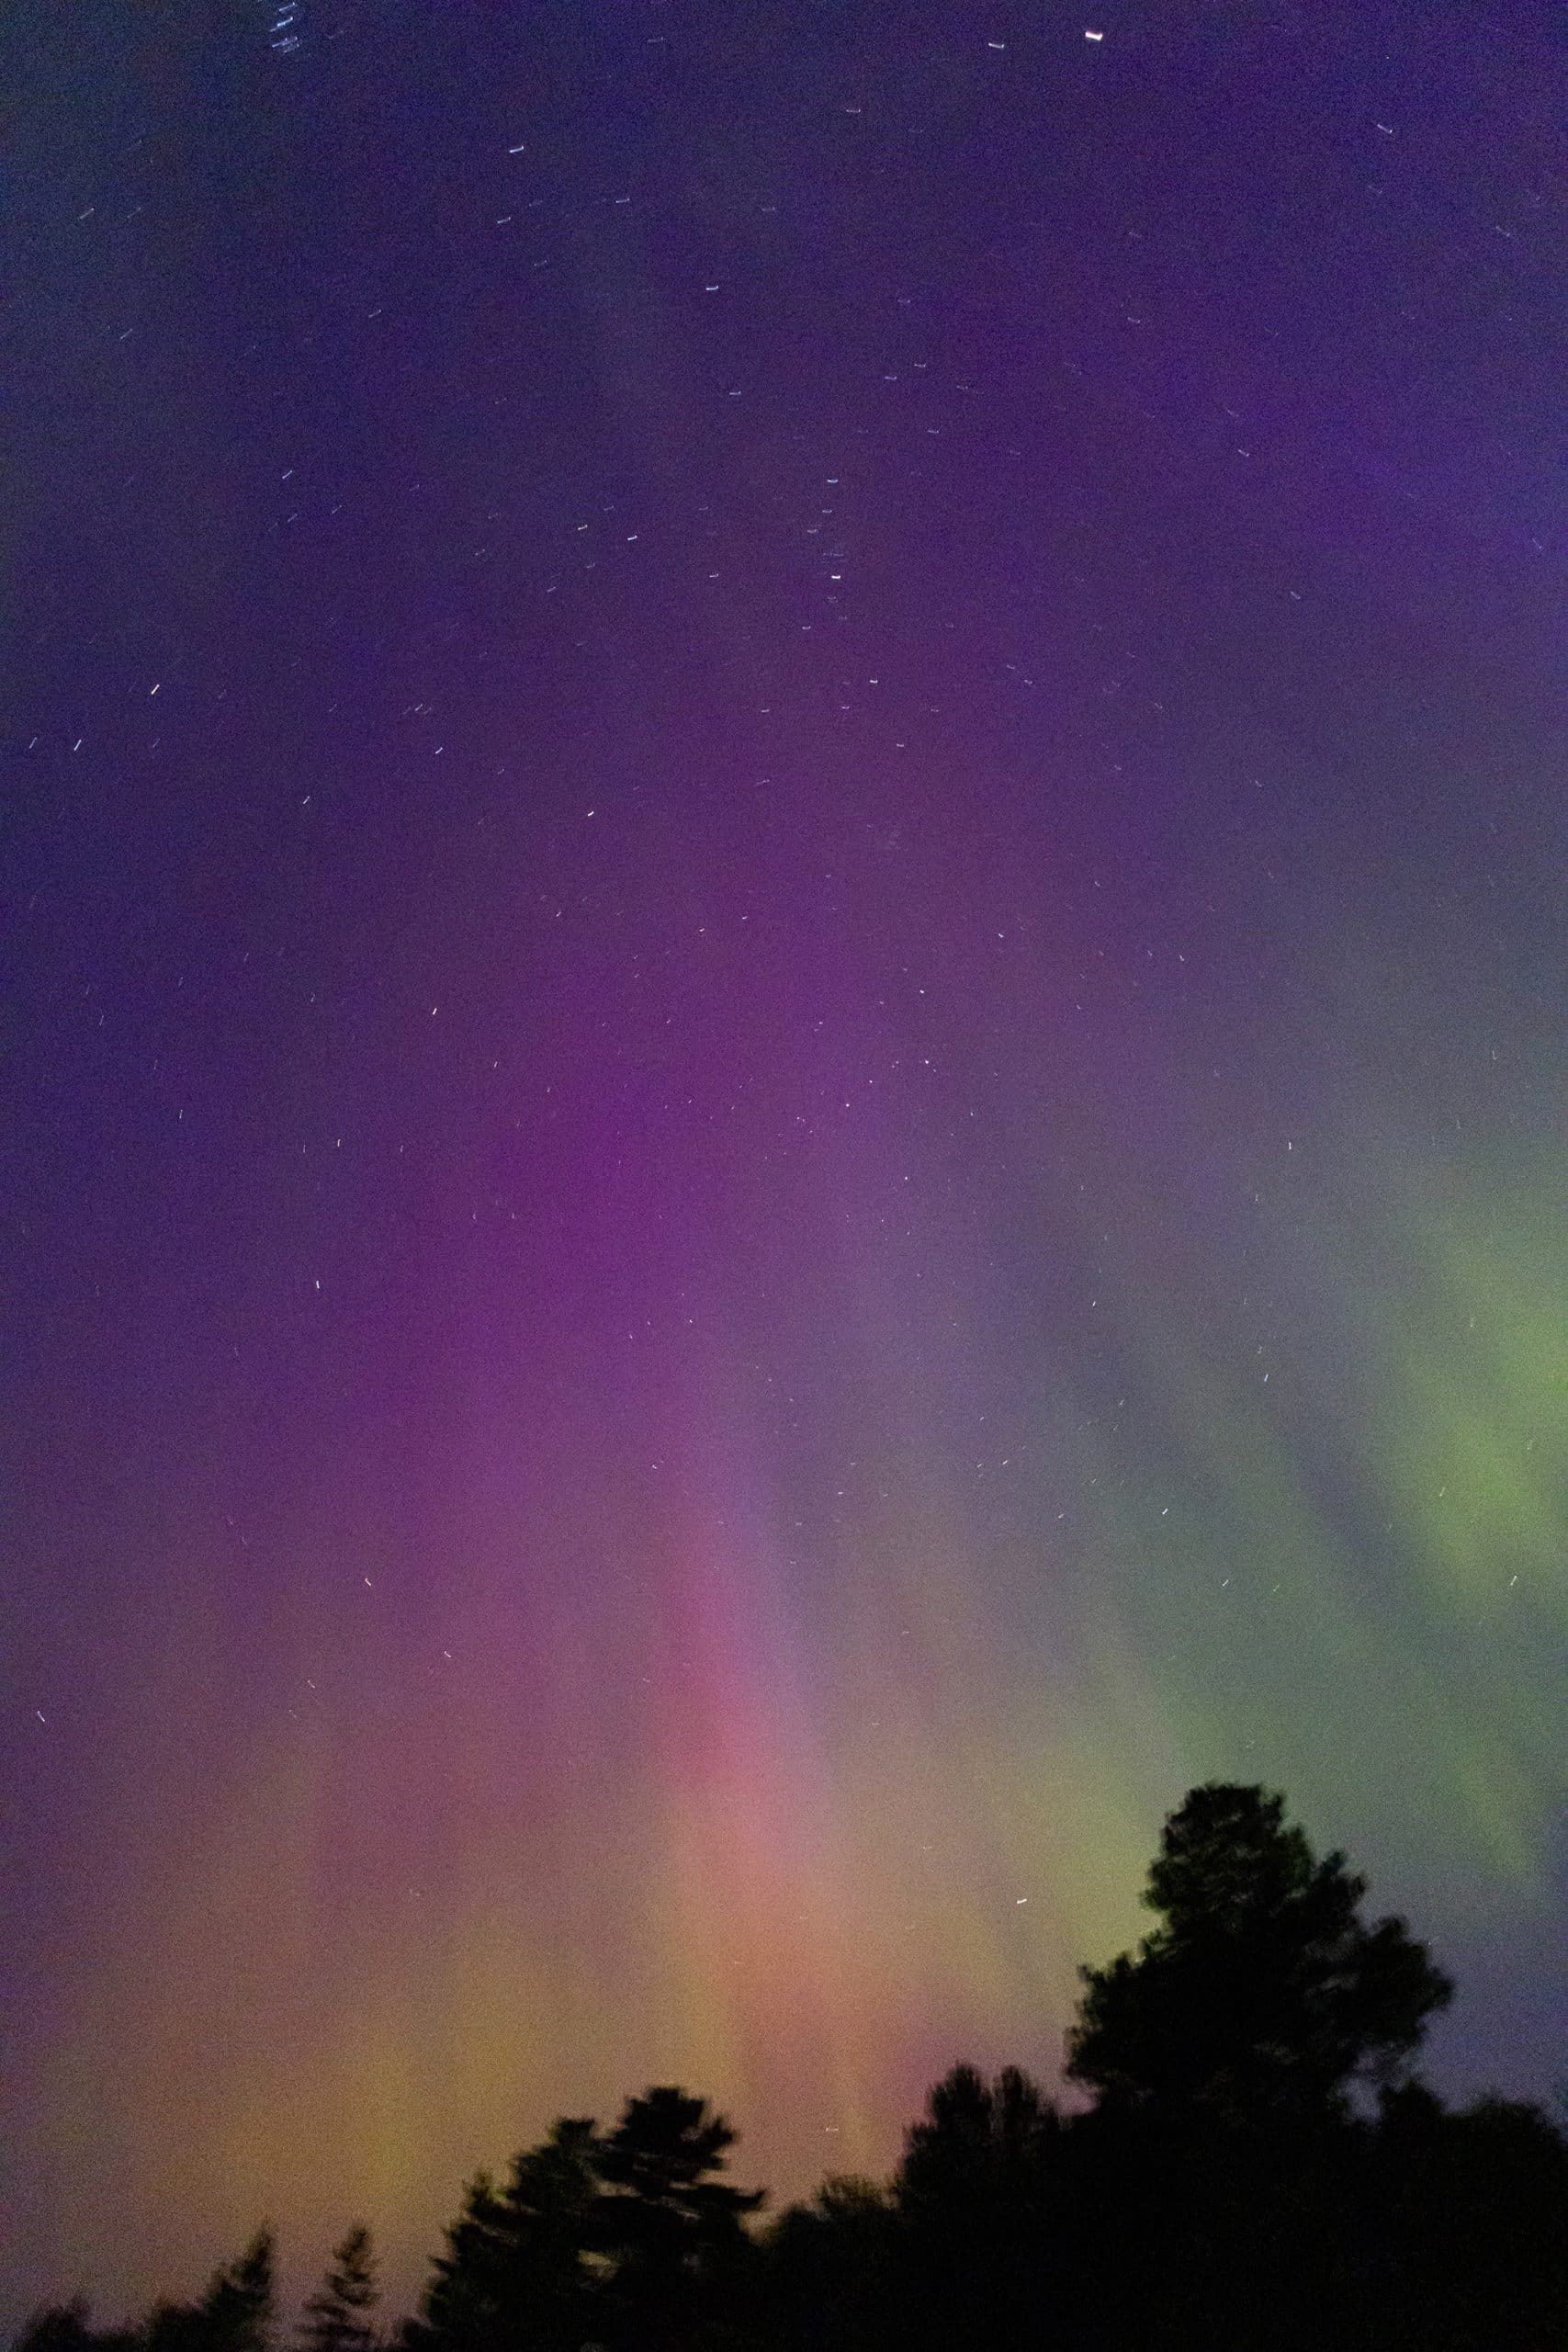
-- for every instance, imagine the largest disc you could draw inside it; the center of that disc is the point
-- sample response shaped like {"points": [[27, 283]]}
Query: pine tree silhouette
{"points": [[1262, 1994], [338, 2317]]}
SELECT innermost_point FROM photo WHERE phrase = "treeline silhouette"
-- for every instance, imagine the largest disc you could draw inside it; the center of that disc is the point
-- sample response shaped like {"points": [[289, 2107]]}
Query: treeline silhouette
{"points": [[1255, 2164]]}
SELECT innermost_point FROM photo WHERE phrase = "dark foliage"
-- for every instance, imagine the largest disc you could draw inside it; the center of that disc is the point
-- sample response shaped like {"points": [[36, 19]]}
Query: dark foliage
{"points": [[669, 2232], [628, 2238], [1262, 1996], [67, 2327], [977, 2192], [835, 2272], [1255, 2171], [234, 2315], [338, 2317], [517, 2268]]}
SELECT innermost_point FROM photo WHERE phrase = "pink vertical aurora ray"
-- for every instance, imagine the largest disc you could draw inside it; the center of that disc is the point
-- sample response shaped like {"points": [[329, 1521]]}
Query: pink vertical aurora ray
{"points": [[783, 1060]]}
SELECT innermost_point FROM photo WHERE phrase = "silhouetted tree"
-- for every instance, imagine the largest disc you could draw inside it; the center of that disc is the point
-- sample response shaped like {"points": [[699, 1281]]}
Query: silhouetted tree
{"points": [[1222, 2184], [338, 2315], [1469, 2225], [238, 2304], [1224, 2191], [834, 2272], [67, 2327], [517, 2269], [1262, 1995], [671, 2231], [973, 2190], [234, 2315]]}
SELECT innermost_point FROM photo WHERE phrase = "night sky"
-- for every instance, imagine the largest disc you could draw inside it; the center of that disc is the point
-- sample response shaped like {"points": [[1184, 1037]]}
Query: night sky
{"points": [[785, 1030]]}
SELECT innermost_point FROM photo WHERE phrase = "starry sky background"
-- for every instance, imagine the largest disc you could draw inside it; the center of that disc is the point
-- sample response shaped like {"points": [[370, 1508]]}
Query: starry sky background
{"points": [[784, 1033]]}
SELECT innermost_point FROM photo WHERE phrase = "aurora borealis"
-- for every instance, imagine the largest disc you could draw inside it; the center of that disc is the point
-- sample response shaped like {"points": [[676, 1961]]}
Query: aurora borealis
{"points": [[784, 1043]]}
